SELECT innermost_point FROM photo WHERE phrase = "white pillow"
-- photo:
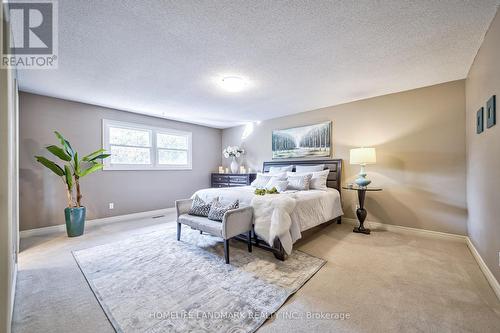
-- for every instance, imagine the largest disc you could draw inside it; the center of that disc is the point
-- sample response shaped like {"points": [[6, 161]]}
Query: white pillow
{"points": [[318, 179], [280, 185], [279, 175], [261, 180], [309, 168], [299, 182], [280, 169]]}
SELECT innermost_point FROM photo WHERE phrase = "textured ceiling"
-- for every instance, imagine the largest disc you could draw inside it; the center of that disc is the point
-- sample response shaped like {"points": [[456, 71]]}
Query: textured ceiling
{"points": [[162, 57]]}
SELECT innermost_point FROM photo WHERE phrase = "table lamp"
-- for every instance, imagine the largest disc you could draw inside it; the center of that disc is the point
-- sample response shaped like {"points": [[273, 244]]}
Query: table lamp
{"points": [[363, 156]]}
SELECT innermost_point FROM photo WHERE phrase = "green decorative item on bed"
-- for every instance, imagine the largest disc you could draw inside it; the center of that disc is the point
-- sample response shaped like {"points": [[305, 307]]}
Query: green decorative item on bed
{"points": [[73, 170], [263, 191]]}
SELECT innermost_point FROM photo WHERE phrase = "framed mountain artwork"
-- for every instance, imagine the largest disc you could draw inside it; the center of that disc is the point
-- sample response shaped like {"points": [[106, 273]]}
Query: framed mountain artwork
{"points": [[304, 141]]}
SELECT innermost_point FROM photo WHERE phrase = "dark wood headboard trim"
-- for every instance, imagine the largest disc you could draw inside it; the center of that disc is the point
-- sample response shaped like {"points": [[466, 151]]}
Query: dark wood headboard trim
{"points": [[334, 165]]}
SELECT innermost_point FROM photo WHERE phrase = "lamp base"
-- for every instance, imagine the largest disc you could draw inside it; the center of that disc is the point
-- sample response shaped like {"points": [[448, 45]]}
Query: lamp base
{"points": [[361, 180]]}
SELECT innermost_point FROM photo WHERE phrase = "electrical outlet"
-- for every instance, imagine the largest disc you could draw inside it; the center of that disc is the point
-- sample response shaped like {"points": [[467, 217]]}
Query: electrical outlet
{"points": [[111, 205]]}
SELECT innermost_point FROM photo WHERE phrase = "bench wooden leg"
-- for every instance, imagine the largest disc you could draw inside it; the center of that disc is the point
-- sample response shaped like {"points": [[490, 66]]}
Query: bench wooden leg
{"points": [[226, 250], [249, 241], [178, 231], [339, 220]]}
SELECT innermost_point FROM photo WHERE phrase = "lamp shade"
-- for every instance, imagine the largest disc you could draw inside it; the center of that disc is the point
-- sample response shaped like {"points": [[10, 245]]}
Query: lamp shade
{"points": [[363, 156]]}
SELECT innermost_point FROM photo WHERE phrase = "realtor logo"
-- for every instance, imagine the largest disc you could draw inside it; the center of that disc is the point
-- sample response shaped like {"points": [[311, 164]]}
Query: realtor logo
{"points": [[33, 36]]}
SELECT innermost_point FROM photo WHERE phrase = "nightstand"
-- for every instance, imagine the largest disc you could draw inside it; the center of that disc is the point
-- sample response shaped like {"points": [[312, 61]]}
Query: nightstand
{"points": [[361, 211], [232, 179]]}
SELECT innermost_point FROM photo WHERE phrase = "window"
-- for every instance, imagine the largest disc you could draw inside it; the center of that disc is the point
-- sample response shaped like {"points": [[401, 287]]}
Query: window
{"points": [[142, 147]]}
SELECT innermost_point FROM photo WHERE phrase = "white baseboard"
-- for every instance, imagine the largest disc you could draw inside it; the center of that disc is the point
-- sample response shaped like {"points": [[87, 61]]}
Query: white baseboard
{"points": [[407, 230], [95, 222], [486, 271], [443, 235]]}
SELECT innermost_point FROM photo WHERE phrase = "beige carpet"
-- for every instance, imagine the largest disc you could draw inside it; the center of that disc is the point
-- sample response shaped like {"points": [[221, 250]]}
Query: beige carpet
{"points": [[384, 282]]}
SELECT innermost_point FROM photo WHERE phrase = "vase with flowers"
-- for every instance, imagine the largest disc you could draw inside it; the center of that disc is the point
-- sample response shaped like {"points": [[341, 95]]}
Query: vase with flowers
{"points": [[233, 152]]}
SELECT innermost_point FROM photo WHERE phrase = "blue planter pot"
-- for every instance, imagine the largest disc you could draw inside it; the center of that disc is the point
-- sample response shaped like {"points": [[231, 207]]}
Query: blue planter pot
{"points": [[75, 221]]}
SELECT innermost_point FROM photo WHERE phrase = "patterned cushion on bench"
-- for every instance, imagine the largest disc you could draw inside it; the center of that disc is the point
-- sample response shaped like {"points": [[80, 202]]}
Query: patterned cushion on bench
{"points": [[200, 208], [217, 210]]}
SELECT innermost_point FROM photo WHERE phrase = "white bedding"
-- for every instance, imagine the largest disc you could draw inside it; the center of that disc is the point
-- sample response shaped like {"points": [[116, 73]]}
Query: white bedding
{"points": [[312, 207]]}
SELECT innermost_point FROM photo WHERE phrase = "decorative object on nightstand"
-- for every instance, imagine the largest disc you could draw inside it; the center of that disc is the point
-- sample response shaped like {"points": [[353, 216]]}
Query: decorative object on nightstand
{"points": [[491, 112], [361, 211], [232, 179], [363, 156], [234, 152]]}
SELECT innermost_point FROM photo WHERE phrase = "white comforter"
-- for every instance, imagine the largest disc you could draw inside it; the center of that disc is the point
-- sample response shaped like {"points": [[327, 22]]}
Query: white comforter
{"points": [[311, 208]]}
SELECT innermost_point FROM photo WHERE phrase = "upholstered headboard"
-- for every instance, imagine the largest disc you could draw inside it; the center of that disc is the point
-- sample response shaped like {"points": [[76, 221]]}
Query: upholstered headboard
{"points": [[335, 166]]}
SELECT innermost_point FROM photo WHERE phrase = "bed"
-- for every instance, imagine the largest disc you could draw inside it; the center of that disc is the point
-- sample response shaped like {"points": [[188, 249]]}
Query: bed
{"points": [[313, 207]]}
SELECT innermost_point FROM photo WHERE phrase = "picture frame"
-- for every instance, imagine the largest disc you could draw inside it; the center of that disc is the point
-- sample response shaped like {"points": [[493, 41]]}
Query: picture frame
{"points": [[307, 141], [491, 112], [480, 121]]}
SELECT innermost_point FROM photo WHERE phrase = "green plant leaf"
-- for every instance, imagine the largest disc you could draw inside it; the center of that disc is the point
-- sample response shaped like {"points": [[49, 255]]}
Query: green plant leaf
{"points": [[69, 177], [100, 157], [65, 143], [50, 165], [93, 156], [93, 168], [59, 152], [60, 137], [77, 164]]}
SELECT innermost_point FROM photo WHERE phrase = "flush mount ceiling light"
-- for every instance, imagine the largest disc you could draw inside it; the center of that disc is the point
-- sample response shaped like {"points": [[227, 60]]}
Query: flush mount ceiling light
{"points": [[233, 83]]}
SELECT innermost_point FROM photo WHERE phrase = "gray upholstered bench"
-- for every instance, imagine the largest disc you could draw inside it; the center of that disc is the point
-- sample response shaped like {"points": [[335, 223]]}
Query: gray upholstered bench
{"points": [[235, 222]]}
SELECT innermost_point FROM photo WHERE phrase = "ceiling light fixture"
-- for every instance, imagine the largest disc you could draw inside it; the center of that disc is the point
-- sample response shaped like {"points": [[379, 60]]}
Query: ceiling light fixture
{"points": [[233, 83]]}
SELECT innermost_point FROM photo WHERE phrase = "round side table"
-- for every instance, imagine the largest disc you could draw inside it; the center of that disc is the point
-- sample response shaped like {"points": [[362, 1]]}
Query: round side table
{"points": [[361, 211]]}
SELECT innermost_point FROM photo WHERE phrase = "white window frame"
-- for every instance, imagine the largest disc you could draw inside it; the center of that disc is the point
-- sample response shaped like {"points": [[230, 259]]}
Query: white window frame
{"points": [[154, 150]]}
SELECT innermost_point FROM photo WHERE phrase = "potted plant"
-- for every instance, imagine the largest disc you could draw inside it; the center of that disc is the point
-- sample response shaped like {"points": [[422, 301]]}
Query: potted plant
{"points": [[71, 173], [234, 152]]}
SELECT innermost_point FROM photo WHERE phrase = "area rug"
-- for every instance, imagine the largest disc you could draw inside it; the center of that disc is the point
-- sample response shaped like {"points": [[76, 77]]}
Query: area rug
{"points": [[153, 283]]}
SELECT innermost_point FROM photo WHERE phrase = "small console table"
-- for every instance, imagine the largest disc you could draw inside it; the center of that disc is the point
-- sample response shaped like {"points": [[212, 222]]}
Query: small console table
{"points": [[361, 211]]}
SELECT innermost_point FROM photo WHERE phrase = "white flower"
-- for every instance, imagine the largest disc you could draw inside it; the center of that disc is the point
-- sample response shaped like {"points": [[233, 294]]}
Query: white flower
{"points": [[232, 151]]}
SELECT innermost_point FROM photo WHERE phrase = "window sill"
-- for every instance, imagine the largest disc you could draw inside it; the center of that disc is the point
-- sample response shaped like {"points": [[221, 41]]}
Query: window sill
{"points": [[130, 168]]}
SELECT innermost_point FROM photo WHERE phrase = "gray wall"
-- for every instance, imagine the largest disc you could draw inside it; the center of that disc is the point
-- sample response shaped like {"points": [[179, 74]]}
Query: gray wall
{"points": [[8, 187], [483, 151], [420, 141], [42, 197]]}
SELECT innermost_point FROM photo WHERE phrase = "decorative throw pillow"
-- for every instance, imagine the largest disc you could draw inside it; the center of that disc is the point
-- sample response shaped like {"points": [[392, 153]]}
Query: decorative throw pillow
{"points": [[217, 209], [318, 179], [280, 169], [279, 175], [309, 168], [201, 208], [261, 180], [280, 185], [300, 183]]}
